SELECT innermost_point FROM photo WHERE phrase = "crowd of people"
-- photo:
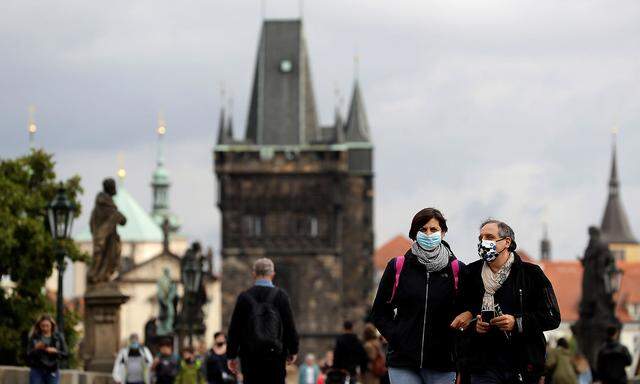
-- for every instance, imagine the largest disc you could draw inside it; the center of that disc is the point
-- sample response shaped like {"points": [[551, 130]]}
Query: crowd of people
{"points": [[434, 320]]}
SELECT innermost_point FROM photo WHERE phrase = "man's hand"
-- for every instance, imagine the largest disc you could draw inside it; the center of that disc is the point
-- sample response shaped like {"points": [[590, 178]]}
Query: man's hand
{"points": [[291, 359], [51, 350], [461, 321], [504, 322], [233, 366], [481, 326]]}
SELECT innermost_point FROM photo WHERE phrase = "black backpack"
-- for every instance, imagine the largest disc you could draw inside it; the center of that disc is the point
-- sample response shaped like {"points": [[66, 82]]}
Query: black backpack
{"points": [[265, 327]]}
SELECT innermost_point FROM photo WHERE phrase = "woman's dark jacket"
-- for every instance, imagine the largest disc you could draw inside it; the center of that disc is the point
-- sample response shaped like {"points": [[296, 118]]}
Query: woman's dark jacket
{"points": [[417, 339], [40, 359], [527, 295]]}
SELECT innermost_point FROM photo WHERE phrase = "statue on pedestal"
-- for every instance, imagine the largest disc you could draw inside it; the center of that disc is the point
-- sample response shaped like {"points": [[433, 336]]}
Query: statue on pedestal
{"points": [[166, 297], [195, 296], [107, 247]]}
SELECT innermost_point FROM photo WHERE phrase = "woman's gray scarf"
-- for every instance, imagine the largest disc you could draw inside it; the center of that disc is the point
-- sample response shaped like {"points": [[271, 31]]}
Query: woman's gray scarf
{"points": [[493, 281], [435, 259]]}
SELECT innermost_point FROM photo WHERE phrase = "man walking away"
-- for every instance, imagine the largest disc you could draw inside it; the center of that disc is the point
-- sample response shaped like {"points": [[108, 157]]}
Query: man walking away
{"points": [[349, 354], [613, 358], [262, 332], [132, 365], [560, 364]]}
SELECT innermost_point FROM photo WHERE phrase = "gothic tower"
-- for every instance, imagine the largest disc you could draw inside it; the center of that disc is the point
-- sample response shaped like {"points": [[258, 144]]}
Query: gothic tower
{"points": [[615, 227], [298, 193]]}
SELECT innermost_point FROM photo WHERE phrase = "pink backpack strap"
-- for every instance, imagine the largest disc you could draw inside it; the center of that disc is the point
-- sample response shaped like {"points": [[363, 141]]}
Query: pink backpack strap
{"points": [[455, 266], [399, 265]]}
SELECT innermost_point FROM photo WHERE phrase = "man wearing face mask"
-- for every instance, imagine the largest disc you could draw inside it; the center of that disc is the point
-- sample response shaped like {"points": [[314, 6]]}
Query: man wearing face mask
{"points": [[132, 365], [514, 303]]}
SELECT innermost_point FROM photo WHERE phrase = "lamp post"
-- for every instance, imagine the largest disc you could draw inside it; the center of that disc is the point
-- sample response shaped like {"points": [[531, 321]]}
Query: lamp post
{"points": [[60, 212]]}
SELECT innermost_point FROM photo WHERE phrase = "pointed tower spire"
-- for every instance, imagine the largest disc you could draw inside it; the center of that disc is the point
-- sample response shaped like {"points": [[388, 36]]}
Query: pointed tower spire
{"points": [[222, 130], [545, 244], [33, 128], [160, 183], [122, 172], [357, 128], [615, 226]]}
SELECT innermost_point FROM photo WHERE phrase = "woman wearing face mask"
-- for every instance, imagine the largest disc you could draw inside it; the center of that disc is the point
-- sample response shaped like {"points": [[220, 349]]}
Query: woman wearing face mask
{"points": [[417, 309]]}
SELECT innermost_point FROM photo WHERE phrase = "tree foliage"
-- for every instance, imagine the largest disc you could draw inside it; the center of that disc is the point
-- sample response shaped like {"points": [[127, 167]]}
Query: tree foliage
{"points": [[27, 250]]}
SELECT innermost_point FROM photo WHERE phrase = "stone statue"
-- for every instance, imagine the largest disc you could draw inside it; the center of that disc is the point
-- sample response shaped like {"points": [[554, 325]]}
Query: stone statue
{"points": [[597, 300], [195, 297], [166, 298], [107, 248]]}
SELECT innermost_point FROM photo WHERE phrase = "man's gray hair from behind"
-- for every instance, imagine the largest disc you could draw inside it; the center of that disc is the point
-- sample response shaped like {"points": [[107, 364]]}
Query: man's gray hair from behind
{"points": [[504, 230], [263, 267]]}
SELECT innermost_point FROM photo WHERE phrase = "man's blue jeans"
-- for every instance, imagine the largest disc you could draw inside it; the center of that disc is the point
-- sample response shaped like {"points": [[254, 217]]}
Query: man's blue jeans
{"points": [[420, 376]]}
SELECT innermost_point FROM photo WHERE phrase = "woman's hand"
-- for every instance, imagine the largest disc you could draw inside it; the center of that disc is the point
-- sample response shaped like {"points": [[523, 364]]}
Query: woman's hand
{"points": [[461, 321], [51, 350]]}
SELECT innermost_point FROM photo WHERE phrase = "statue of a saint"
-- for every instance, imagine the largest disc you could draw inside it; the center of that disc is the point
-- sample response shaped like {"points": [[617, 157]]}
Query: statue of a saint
{"points": [[107, 248], [597, 300], [195, 297], [166, 297]]}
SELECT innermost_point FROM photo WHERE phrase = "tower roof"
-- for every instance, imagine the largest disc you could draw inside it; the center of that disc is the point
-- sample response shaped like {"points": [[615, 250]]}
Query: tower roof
{"points": [[282, 109], [357, 128], [615, 226]]}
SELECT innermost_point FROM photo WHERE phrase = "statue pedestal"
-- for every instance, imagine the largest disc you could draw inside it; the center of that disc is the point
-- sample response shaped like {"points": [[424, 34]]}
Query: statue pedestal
{"points": [[102, 326]]}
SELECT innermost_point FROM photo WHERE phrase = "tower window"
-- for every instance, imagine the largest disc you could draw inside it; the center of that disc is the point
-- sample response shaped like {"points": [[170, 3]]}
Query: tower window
{"points": [[313, 226], [252, 225]]}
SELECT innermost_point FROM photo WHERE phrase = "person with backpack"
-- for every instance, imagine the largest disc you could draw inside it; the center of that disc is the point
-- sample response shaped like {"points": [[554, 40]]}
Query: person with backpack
{"points": [[417, 307], [262, 333], [190, 371], [165, 366], [377, 366], [133, 363], [45, 350]]}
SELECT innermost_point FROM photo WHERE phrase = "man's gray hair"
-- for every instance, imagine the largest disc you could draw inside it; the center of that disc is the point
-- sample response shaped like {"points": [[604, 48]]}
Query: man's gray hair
{"points": [[504, 230], [263, 267]]}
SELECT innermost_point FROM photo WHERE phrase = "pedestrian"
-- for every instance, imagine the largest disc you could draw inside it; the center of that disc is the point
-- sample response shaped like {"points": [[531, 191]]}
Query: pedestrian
{"points": [[309, 370], [514, 304], [559, 364], [418, 307], [190, 371], [45, 351], [165, 365], [262, 333], [349, 354], [613, 358], [216, 361], [327, 362], [133, 363], [376, 366]]}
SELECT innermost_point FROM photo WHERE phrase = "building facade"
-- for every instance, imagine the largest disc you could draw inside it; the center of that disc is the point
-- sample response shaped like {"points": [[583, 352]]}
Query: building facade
{"points": [[298, 193]]}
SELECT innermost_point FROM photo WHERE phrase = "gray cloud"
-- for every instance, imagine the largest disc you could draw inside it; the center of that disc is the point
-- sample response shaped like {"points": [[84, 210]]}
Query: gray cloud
{"points": [[493, 108]]}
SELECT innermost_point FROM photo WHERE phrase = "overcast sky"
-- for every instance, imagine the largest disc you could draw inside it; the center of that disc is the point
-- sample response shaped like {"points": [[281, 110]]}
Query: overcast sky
{"points": [[480, 108]]}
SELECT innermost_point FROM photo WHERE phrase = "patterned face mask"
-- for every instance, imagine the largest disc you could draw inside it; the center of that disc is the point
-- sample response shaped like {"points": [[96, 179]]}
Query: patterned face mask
{"points": [[487, 250]]}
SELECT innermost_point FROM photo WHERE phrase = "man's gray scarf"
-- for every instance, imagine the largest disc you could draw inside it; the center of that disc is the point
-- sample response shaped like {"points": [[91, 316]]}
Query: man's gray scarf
{"points": [[493, 281], [435, 259]]}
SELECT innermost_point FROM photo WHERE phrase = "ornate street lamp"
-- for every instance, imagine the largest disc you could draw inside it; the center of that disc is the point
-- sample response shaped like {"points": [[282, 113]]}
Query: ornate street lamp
{"points": [[613, 278], [60, 213]]}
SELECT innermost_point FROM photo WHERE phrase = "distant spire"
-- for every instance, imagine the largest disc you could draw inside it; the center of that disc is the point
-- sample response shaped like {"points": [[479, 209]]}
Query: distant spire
{"points": [[357, 128], [160, 184], [162, 130], [32, 127], [122, 173], [615, 226], [545, 244]]}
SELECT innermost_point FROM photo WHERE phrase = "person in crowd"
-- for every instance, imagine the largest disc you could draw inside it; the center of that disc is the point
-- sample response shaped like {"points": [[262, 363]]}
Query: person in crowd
{"points": [[514, 304], [327, 362], [581, 364], [309, 371], [216, 361], [133, 363], [559, 364], [376, 366], [45, 351], [418, 306], [165, 365], [190, 371], [349, 354], [613, 358], [262, 332]]}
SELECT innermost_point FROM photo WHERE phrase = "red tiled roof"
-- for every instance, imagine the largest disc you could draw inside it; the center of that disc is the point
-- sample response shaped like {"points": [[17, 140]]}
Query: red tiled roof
{"points": [[392, 248], [566, 278]]}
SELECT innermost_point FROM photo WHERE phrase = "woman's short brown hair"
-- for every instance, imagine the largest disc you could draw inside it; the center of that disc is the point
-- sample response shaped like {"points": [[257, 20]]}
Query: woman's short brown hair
{"points": [[421, 218]]}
